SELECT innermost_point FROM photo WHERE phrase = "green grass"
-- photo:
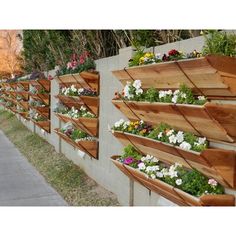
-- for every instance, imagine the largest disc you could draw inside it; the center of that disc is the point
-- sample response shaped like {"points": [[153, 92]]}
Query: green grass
{"points": [[67, 178]]}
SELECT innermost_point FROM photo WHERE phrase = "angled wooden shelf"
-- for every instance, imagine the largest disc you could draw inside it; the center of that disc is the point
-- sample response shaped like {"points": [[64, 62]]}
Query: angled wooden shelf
{"points": [[45, 98], [217, 163], [90, 102], [88, 125], [174, 194], [44, 111], [41, 83], [213, 76], [89, 147], [220, 119], [45, 125], [23, 104], [23, 84], [83, 80], [24, 94]]}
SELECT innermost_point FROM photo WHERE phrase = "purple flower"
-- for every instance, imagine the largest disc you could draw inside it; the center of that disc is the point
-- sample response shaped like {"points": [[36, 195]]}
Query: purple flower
{"points": [[128, 160]]}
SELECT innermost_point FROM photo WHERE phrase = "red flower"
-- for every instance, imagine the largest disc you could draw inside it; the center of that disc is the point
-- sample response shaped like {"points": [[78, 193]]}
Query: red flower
{"points": [[50, 77], [74, 57], [173, 52]]}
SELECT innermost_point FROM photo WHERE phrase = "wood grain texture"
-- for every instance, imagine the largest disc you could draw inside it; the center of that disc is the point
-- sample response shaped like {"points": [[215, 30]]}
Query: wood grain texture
{"points": [[220, 119], [173, 194], [41, 83], [45, 125], [82, 80], [211, 75], [217, 163], [89, 147]]}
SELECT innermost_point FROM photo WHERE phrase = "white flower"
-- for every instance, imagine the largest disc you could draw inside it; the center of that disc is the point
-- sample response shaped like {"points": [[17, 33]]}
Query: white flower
{"points": [[174, 99], [183, 95], [137, 84], [185, 145], [180, 136], [119, 123], [160, 135], [141, 166], [82, 108], [201, 140], [125, 124], [170, 132], [169, 92], [178, 181], [73, 88], [173, 174], [159, 174], [155, 160], [126, 91], [141, 122], [162, 94], [153, 176], [139, 91], [158, 55], [80, 90], [149, 157], [165, 171], [172, 139], [201, 98], [176, 92]]}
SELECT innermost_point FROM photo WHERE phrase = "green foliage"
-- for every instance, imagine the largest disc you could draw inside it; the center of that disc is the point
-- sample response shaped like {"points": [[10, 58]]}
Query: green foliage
{"points": [[220, 43], [78, 134], [189, 99], [151, 95], [196, 184], [135, 59], [130, 151]]}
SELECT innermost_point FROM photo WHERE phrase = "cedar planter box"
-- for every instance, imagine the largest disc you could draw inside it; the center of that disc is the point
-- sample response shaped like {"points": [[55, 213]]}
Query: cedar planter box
{"points": [[24, 84], [24, 94], [89, 147], [84, 80], [173, 194], [45, 125], [44, 111], [88, 125], [45, 98], [217, 163], [213, 76], [43, 83], [91, 103], [220, 119], [24, 104]]}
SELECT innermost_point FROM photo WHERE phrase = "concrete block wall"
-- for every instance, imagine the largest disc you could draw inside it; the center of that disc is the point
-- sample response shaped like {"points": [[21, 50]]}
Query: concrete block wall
{"points": [[102, 170]]}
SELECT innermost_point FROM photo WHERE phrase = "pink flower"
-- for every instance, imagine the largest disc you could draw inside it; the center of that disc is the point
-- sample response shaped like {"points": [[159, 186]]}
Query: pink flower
{"points": [[212, 182], [50, 77], [128, 160]]}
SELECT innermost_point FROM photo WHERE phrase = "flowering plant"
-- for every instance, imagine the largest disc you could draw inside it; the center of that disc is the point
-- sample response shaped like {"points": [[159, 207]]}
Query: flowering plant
{"points": [[36, 116], [163, 133], [184, 95], [77, 64], [34, 103], [73, 91], [75, 134], [73, 112], [190, 181], [142, 58]]}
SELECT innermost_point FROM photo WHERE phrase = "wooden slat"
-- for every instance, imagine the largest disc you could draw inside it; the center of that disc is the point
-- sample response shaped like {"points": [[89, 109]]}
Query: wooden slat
{"points": [[213, 75], [173, 194], [216, 163], [220, 119]]}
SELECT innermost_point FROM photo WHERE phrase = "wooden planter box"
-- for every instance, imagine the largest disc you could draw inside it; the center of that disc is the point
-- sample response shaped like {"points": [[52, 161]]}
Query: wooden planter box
{"points": [[24, 115], [91, 103], [220, 119], [217, 163], [89, 147], [24, 84], [44, 111], [213, 76], [24, 94], [173, 194], [45, 125], [24, 104], [45, 98], [88, 125], [43, 83], [84, 80]]}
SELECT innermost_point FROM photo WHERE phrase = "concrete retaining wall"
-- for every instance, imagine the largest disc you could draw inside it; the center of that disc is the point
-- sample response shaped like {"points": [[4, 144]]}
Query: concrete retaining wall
{"points": [[102, 170]]}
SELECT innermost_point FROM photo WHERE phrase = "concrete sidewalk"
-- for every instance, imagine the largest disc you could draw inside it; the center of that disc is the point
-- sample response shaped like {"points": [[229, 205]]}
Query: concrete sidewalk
{"points": [[20, 182]]}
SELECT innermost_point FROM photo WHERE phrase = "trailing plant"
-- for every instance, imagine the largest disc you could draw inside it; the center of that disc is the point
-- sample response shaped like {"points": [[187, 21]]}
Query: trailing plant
{"points": [[190, 181], [219, 43]]}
